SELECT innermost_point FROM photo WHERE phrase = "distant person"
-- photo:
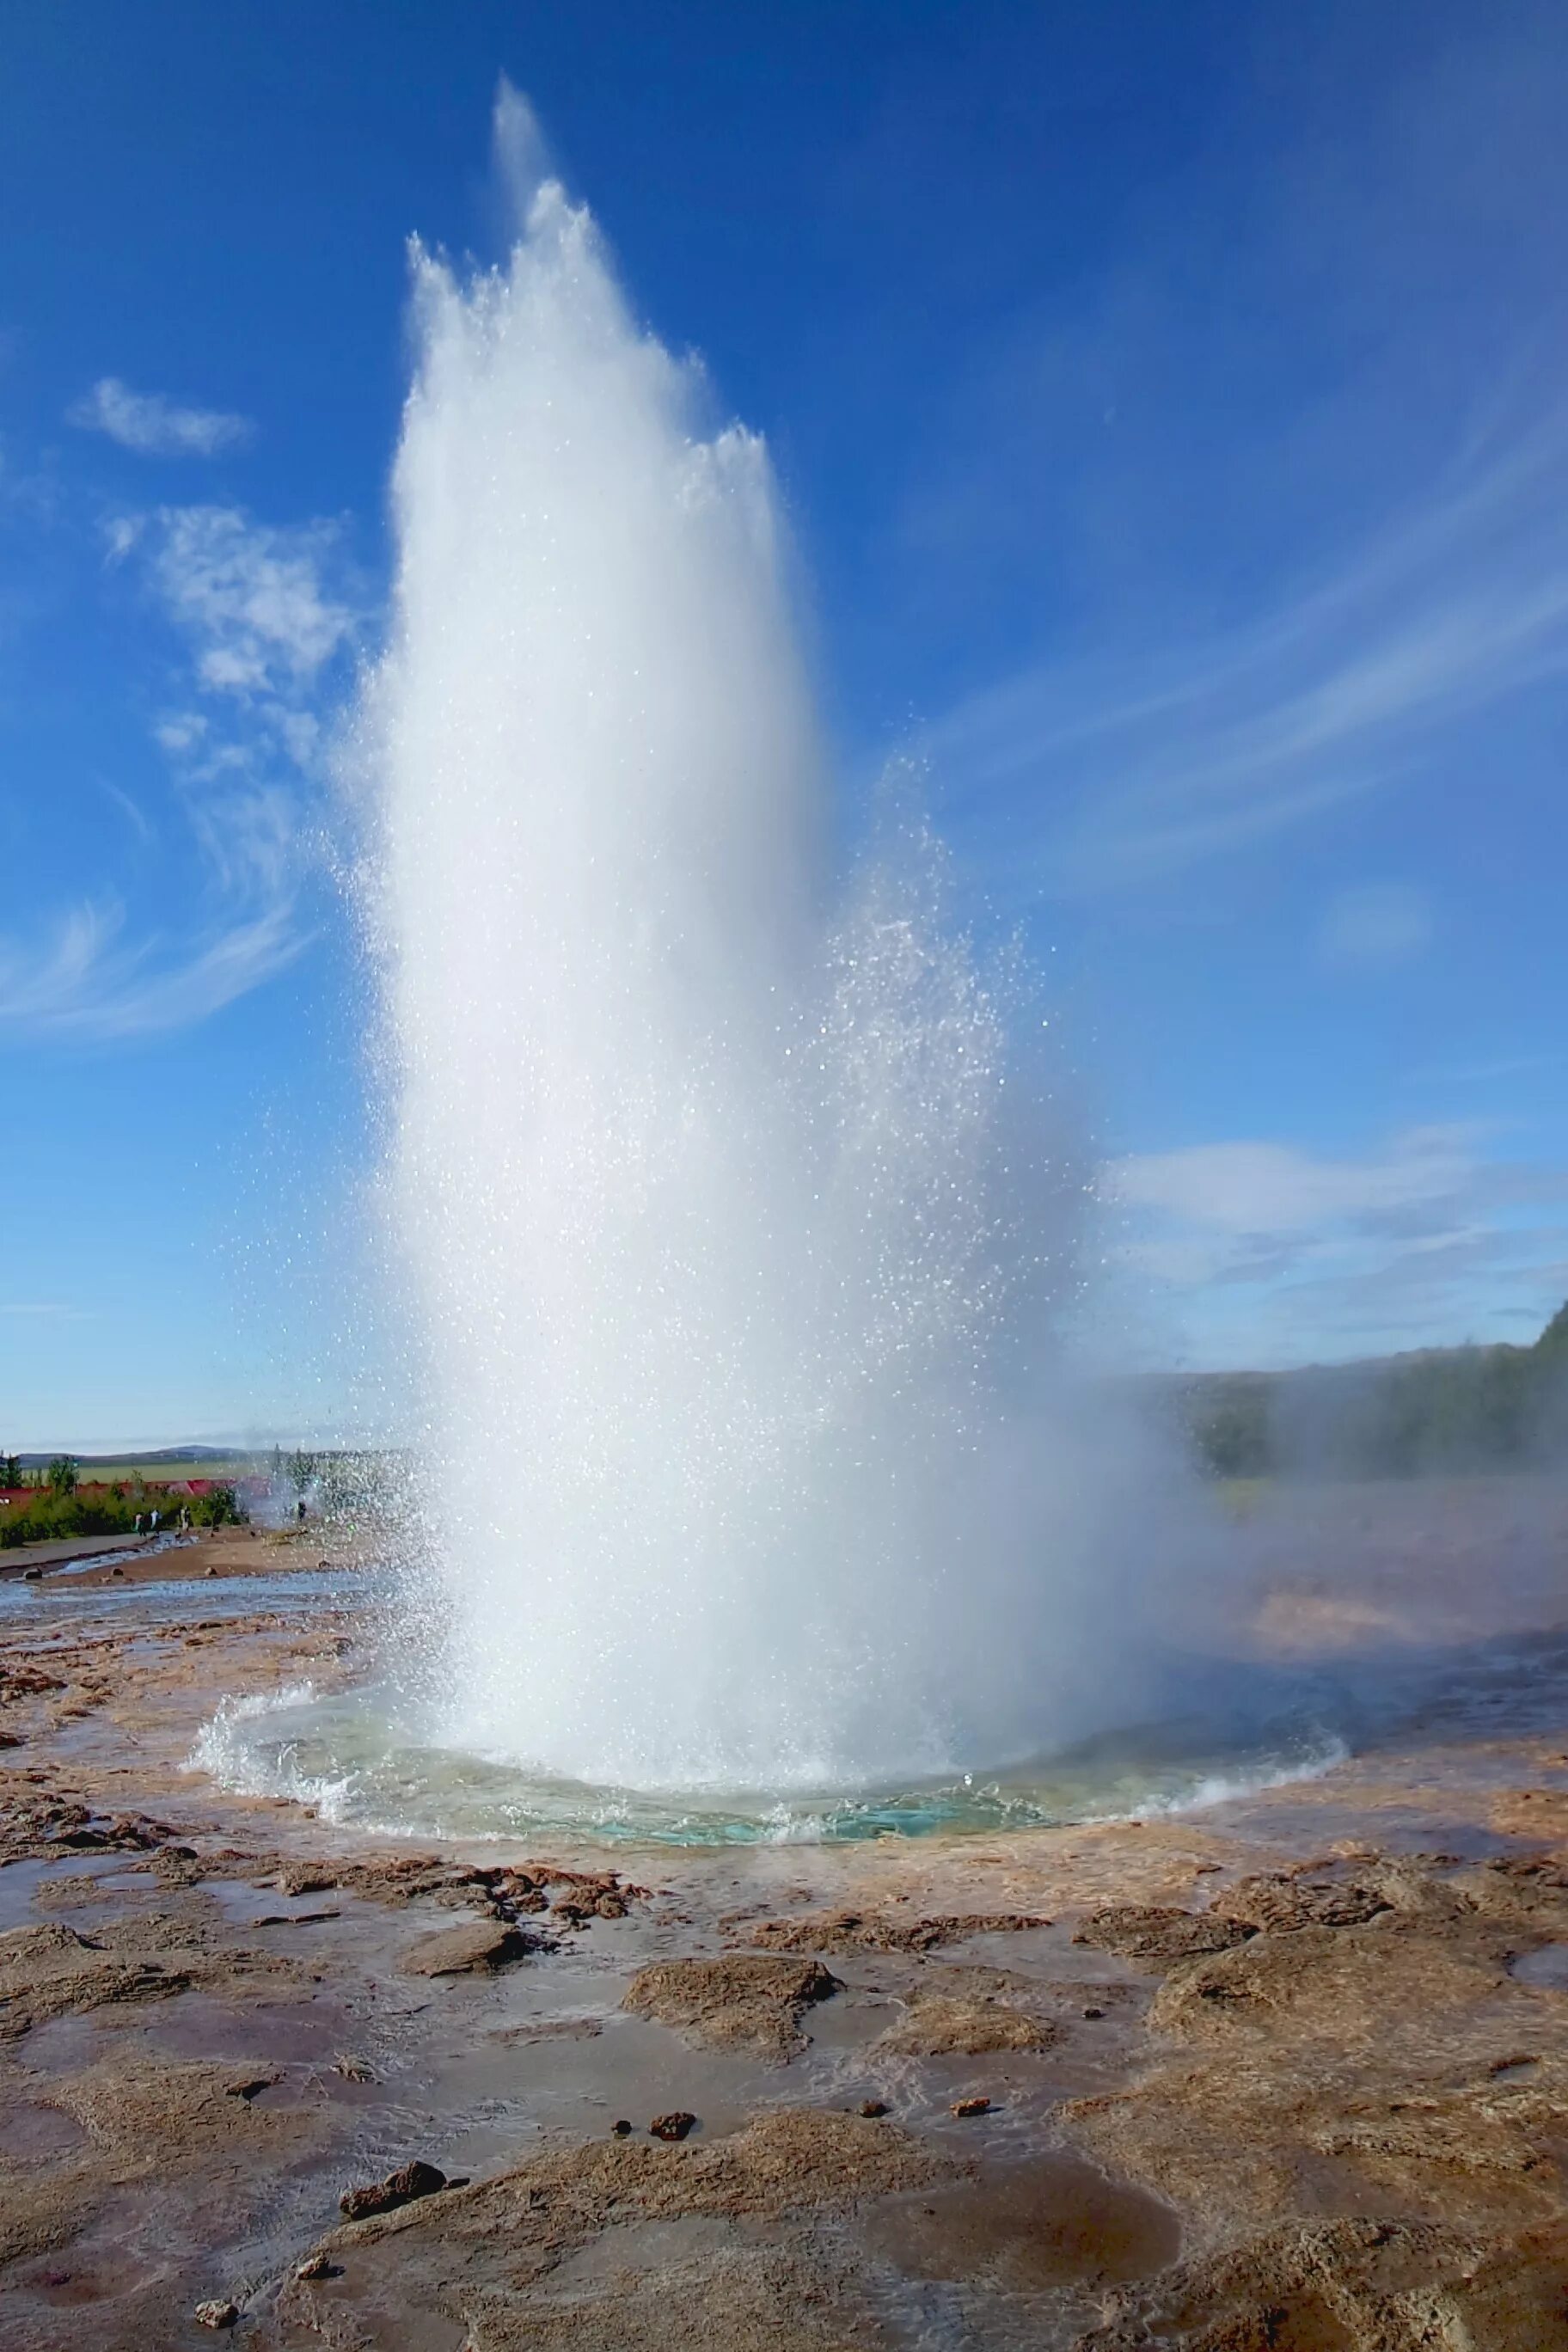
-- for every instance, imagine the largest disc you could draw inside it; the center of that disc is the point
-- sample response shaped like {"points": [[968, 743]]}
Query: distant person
{"points": [[156, 1516], [138, 1522], [299, 1510]]}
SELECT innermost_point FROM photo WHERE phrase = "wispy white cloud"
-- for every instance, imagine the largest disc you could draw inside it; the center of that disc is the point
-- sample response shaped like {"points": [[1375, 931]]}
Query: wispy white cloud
{"points": [[1121, 776], [1376, 926], [1260, 1189], [135, 815], [1485, 1073], [252, 598], [88, 980], [1273, 1254], [262, 612], [154, 425]]}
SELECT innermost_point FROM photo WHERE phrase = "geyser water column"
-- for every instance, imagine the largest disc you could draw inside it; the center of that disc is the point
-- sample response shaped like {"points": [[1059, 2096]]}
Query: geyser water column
{"points": [[730, 1255]]}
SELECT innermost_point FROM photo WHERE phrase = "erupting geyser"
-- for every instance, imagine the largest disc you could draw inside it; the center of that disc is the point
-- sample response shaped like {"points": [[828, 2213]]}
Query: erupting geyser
{"points": [[734, 1255]]}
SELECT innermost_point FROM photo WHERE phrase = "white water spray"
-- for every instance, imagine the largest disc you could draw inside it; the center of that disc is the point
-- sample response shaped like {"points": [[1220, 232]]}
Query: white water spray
{"points": [[735, 1257]]}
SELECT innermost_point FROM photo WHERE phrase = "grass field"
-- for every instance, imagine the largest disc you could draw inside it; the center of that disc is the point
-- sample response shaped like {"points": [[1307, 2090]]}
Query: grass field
{"points": [[92, 1472]]}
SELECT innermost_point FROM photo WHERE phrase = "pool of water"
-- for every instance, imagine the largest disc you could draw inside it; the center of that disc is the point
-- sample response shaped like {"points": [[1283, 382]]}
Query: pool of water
{"points": [[181, 1601], [360, 1758], [1226, 1729]]}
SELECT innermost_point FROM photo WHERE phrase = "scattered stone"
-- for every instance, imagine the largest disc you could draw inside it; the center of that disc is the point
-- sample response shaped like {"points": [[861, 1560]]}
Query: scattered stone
{"points": [[873, 2106], [971, 2107], [474, 1947], [120, 1571], [353, 2070], [743, 2000], [1094, 2012], [32, 1576], [211, 1572], [620, 2128], [316, 2266], [215, 2314], [674, 2126], [400, 2188]]}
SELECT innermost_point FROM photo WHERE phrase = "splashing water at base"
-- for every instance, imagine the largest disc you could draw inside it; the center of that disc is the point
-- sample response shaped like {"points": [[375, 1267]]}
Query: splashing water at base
{"points": [[352, 1759], [737, 1252]]}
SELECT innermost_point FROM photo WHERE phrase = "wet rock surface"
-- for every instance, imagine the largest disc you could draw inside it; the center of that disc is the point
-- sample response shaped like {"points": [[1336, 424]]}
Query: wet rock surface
{"points": [[741, 2000], [1142, 1931], [1292, 2072], [461, 1950], [852, 1931], [409, 2181]]}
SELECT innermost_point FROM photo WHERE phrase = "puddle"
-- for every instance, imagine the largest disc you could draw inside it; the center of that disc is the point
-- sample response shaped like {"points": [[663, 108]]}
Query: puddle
{"points": [[1514, 2069], [311, 2030], [635, 2248], [1052, 2220], [245, 1905], [33, 1890], [1547, 1966], [38, 2133]]}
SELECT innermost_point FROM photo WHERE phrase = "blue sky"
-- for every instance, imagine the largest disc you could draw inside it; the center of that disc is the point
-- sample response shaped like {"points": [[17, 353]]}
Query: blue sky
{"points": [[1168, 404]]}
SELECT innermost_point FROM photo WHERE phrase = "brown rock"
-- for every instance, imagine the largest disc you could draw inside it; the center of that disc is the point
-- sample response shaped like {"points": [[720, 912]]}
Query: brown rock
{"points": [[969, 2108], [674, 2126], [1358, 2286], [940, 2026], [306, 1878], [1279, 1901], [409, 2183], [1331, 1983], [215, 2314], [48, 1971], [884, 1931], [1142, 1931], [743, 1999], [473, 1948], [1533, 1813]]}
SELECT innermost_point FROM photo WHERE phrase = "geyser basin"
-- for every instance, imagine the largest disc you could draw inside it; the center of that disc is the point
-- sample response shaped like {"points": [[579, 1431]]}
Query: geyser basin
{"points": [[724, 1194], [351, 1758]]}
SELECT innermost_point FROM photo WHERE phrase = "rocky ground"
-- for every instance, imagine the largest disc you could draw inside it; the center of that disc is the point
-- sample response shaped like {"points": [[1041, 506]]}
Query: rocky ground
{"points": [[1288, 2073]]}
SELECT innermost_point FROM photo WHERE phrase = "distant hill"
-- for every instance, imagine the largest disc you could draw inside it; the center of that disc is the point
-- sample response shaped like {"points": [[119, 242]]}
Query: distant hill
{"points": [[1435, 1409], [161, 1458]]}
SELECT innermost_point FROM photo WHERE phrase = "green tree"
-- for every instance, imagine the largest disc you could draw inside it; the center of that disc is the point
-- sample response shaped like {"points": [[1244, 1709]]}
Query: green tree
{"points": [[62, 1475]]}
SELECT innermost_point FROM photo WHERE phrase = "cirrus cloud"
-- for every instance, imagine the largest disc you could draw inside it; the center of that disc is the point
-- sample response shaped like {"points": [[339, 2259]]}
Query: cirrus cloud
{"points": [[154, 425], [1272, 1255]]}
